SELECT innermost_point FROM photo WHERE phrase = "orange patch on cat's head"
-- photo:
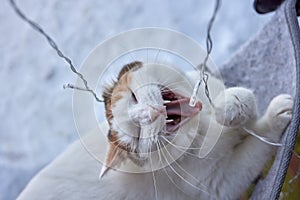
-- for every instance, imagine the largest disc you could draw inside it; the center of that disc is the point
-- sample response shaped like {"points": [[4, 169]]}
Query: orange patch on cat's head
{"points": [[111, 95], [130, 67]]}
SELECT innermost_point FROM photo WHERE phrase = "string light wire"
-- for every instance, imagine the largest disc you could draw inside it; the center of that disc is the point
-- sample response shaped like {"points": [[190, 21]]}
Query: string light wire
{"points": [[53, 44]]}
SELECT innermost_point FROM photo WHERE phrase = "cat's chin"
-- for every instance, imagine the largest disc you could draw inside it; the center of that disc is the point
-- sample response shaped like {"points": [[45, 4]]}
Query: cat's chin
{"points": [[178, 110]]}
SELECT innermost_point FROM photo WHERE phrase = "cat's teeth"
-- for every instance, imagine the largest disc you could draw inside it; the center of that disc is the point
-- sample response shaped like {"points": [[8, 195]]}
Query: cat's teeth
{"points": [[169, 120], [166, 101]]}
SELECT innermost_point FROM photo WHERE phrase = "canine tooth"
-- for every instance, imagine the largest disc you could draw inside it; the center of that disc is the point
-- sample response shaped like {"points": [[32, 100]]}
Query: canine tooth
{"points": [[169, 120], [167, 101]]}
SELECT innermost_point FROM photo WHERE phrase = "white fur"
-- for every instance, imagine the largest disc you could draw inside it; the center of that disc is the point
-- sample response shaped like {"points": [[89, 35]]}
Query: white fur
{"points": [[225, 173]]}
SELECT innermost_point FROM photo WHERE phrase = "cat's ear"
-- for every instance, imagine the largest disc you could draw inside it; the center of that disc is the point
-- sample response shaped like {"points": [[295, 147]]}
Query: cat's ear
{"points": [[130, 67], [114, 155]]}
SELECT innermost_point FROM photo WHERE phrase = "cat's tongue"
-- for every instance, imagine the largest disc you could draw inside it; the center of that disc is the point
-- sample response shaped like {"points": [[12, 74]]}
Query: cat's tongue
{"points": [[181, 107]]}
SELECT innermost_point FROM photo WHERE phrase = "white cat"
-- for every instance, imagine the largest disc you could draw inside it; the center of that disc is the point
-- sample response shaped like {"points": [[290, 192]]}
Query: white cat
{"points": [[158, 139]]}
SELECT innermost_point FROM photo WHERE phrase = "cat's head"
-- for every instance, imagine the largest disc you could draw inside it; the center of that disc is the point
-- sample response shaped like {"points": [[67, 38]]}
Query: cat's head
{"points": [[145, 107]]}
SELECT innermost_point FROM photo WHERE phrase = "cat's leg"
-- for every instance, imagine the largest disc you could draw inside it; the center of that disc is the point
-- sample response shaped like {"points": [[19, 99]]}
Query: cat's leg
{"points": [[235, 107], [248, 158], [276, 117]]}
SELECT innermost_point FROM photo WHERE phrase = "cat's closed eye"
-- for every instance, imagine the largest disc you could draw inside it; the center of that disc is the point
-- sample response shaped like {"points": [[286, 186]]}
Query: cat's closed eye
{"points": [[133, 99]]}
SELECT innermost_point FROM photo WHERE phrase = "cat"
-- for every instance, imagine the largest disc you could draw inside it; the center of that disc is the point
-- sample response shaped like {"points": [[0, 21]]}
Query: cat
{"points": [[160, 147]]}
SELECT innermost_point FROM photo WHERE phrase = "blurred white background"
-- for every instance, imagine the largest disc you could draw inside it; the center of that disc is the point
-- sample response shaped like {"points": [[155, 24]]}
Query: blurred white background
{"points": [[35, 112]]}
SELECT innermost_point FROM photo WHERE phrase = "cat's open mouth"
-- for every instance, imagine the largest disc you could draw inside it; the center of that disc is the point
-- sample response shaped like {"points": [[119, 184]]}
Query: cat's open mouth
{"points": [[178, 109]]}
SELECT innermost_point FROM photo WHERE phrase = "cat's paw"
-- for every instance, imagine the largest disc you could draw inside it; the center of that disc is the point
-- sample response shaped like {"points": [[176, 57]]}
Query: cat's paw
{"points": [[235, 107], [279, 112]]}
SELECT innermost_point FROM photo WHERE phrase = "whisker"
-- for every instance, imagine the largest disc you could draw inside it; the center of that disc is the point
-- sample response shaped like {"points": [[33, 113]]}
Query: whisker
{"points": [[165, 132], [118, 140], [169, 165], [130, 53], [167, 81], [184, 169], [117, 146], [187, 153], [153, 176], [175, 83], [181, 147], [147, 56], [158, 149], [156, 57], [167, 87], [168, 173]]}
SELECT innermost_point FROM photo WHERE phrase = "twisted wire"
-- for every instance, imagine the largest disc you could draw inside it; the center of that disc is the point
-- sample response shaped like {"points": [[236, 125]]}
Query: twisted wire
{"points": [[53, 44]]}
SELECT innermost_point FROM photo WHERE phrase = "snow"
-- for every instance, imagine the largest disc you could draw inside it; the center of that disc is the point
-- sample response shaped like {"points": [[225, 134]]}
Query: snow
{"points": [[36, 112]]}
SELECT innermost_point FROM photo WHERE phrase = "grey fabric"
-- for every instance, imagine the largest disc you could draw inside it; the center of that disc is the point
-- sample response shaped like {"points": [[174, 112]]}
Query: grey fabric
{"points": [[269, 64]]}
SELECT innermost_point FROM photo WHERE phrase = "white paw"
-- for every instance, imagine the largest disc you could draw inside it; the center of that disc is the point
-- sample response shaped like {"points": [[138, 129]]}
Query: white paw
{"points": [[235, 107], [279, 112]]}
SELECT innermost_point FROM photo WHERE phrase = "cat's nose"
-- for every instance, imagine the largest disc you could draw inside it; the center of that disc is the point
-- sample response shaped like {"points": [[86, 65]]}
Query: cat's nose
{"points": [[146, 114], [159, 110], [153, 112]]}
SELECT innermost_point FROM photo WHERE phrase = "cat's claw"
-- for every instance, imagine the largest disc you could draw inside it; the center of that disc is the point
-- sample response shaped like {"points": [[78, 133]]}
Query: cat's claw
{"points": [[279, 112], [235, 107]]}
